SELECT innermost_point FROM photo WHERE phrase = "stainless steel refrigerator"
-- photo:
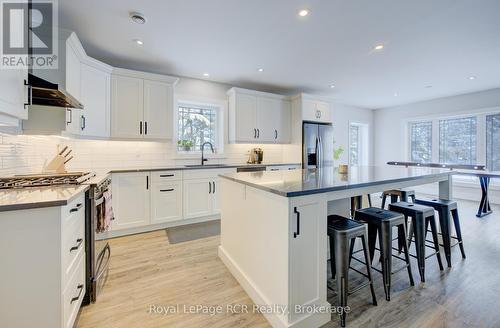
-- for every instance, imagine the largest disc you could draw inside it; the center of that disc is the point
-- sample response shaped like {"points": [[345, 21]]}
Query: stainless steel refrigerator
{"points": [[317, 145]]}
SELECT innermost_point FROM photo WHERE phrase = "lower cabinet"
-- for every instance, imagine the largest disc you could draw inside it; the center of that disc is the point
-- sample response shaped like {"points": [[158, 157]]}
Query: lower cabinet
{"points": [[198, 199], [131, 199], [166, 201]]}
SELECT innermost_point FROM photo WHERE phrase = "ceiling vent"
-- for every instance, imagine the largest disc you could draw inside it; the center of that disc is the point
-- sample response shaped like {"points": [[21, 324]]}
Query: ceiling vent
{"points": [[138, 18]]}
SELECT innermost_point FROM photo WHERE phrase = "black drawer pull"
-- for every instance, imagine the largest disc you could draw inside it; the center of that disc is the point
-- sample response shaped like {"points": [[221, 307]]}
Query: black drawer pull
{"points": [[166, 175], [80, 287], [76, 208], [164, 190], [295, 234], [79, 241]]}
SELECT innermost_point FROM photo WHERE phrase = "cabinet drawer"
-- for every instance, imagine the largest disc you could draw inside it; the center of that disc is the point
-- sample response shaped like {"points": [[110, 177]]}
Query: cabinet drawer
{"points": [[73, 244], [72, 212], [73, 294], [162, 176], [206, 173]]}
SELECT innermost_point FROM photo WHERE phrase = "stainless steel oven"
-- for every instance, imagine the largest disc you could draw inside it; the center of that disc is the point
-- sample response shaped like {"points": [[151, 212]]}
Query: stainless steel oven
{"points": [[98, 251]]}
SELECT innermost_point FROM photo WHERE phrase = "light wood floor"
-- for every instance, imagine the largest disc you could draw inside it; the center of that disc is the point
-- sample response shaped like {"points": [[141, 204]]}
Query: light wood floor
{"points": [[146, 270]]}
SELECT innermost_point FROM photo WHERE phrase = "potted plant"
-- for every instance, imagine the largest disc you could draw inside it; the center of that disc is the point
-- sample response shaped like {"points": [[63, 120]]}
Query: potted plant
{"points": [[186, 145], [337, 153]]}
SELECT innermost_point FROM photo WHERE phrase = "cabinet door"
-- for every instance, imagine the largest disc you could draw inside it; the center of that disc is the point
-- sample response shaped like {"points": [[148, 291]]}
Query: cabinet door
{"points": [[74, 121], [13, 92], [284, 133], [95, 96], [131, 200], [324, 111], [309, 110], [158, 110], [215, 196], [246, 117], [198, 200], [268, 119], [166, 202], [73, 72], [127, 97]]}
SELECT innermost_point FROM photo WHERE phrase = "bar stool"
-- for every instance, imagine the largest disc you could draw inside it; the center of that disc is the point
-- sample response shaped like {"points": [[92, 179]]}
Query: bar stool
{"points": [[342, 232], [444, 207], [421, 217], [357, 203], [398, 195], [381, 222]]}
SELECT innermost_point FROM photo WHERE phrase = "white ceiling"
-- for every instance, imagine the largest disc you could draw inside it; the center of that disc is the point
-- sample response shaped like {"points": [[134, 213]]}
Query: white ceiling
{"points": [[427, 43]]}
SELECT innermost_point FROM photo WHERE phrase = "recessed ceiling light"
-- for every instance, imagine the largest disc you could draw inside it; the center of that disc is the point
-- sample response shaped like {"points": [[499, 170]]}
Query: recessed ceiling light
{"points": [[395, 94], [472, 77], [379, 47], [138, 18], [139, 42], [304, 12], [428, 86], [260, 70], [332, 86], [206, 74]]}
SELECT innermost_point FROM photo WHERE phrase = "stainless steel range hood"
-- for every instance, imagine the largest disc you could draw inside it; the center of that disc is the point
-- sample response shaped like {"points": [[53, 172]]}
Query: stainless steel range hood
{"points": [[45, 93]]}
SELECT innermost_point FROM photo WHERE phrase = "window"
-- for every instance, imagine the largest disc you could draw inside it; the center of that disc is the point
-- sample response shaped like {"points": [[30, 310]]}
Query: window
{"points": [[493, 142], [196, 124], [358, 141], [354, 145], [421, 142], [457, 141]]}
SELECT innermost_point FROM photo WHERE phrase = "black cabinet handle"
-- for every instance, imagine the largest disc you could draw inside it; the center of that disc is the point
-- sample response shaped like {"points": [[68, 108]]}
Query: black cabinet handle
{"points": [[147, 182], [295, 234], [145, 127], [83, 123], [275, 134], [166, 175], [258, 133], [209, 187], [79, 241], [165, 190], [80, 287], [76, 208], [70, 116], [255, 133], [30, 94], [140, 127], [214, 187]]}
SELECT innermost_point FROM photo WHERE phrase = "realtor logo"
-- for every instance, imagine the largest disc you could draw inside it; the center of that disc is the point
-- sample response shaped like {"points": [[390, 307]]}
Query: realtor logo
{"points": [[29, 34]]}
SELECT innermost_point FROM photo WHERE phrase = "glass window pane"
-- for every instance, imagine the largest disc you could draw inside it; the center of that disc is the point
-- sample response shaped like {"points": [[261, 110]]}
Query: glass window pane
{"points": [[196, 125], [457, 141], [493, 142], [354, 145], [421, 142]]}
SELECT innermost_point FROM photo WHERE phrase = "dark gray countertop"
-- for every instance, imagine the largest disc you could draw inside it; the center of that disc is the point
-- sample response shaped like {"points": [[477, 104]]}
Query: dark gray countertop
{"points": [[305, 182], [210, 166], [38, 197]]}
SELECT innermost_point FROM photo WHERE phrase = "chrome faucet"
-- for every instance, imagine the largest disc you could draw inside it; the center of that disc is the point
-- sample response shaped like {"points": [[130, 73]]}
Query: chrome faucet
{"points": [[203, 159]]}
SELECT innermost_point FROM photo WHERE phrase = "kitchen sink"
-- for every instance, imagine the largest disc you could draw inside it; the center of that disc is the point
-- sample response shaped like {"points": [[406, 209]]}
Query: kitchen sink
{"points": [[206, 165]]}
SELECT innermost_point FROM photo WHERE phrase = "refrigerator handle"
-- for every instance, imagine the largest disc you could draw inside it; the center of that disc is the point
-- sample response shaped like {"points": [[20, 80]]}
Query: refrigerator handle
{"points": [[317, 152]]}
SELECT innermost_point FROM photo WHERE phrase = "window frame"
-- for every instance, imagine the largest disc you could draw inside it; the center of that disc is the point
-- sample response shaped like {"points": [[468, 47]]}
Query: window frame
{"points": [[409, 136], [363, 142], [221, 130]]}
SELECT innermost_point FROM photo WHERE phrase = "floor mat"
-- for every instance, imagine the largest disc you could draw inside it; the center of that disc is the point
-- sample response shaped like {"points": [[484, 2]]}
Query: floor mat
{"points": [[193, 231]]}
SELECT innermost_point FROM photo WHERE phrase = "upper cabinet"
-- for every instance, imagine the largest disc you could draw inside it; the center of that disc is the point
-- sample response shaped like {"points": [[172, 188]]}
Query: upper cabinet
{"points": [[141, 105], [258, 117], [313, 108]]}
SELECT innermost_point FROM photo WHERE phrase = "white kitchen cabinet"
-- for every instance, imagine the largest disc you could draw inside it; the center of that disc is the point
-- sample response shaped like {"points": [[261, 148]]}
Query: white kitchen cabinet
{"points": [[96, 98], [131, 199], [73, 69], [141, 105], [127, 107], [216, 196], [13, 94], [158, 109], [198, 199], [258, 117], [166, 201], [314, 109]]}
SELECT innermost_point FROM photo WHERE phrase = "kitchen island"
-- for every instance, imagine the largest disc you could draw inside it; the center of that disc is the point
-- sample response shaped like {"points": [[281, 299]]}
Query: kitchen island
{"points": [[274, 232]]}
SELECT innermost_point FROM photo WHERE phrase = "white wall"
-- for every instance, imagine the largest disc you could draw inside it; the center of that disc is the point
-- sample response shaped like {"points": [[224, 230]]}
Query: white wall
{"points": [[390, 131]]}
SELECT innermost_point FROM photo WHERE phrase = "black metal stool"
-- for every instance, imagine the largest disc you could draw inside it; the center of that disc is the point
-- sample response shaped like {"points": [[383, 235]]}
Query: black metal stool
{"points": [[398, 195], [357, 203], [444, 207], [382, 221], [421, 217], [342, 232]]}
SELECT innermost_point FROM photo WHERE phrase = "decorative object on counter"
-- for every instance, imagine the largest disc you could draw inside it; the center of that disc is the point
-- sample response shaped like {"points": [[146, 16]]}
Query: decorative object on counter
{"points": [[337, 153], [256, 156], [343, 169], [58, 163], [186, 145]]}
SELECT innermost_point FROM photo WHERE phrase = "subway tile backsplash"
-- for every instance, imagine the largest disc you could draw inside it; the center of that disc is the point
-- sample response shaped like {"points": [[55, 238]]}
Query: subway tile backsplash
{"points": [[24, 154]]}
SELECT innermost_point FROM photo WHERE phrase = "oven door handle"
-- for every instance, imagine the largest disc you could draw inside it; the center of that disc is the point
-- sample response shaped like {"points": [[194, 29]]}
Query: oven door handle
{"points": [[99, 201]]}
